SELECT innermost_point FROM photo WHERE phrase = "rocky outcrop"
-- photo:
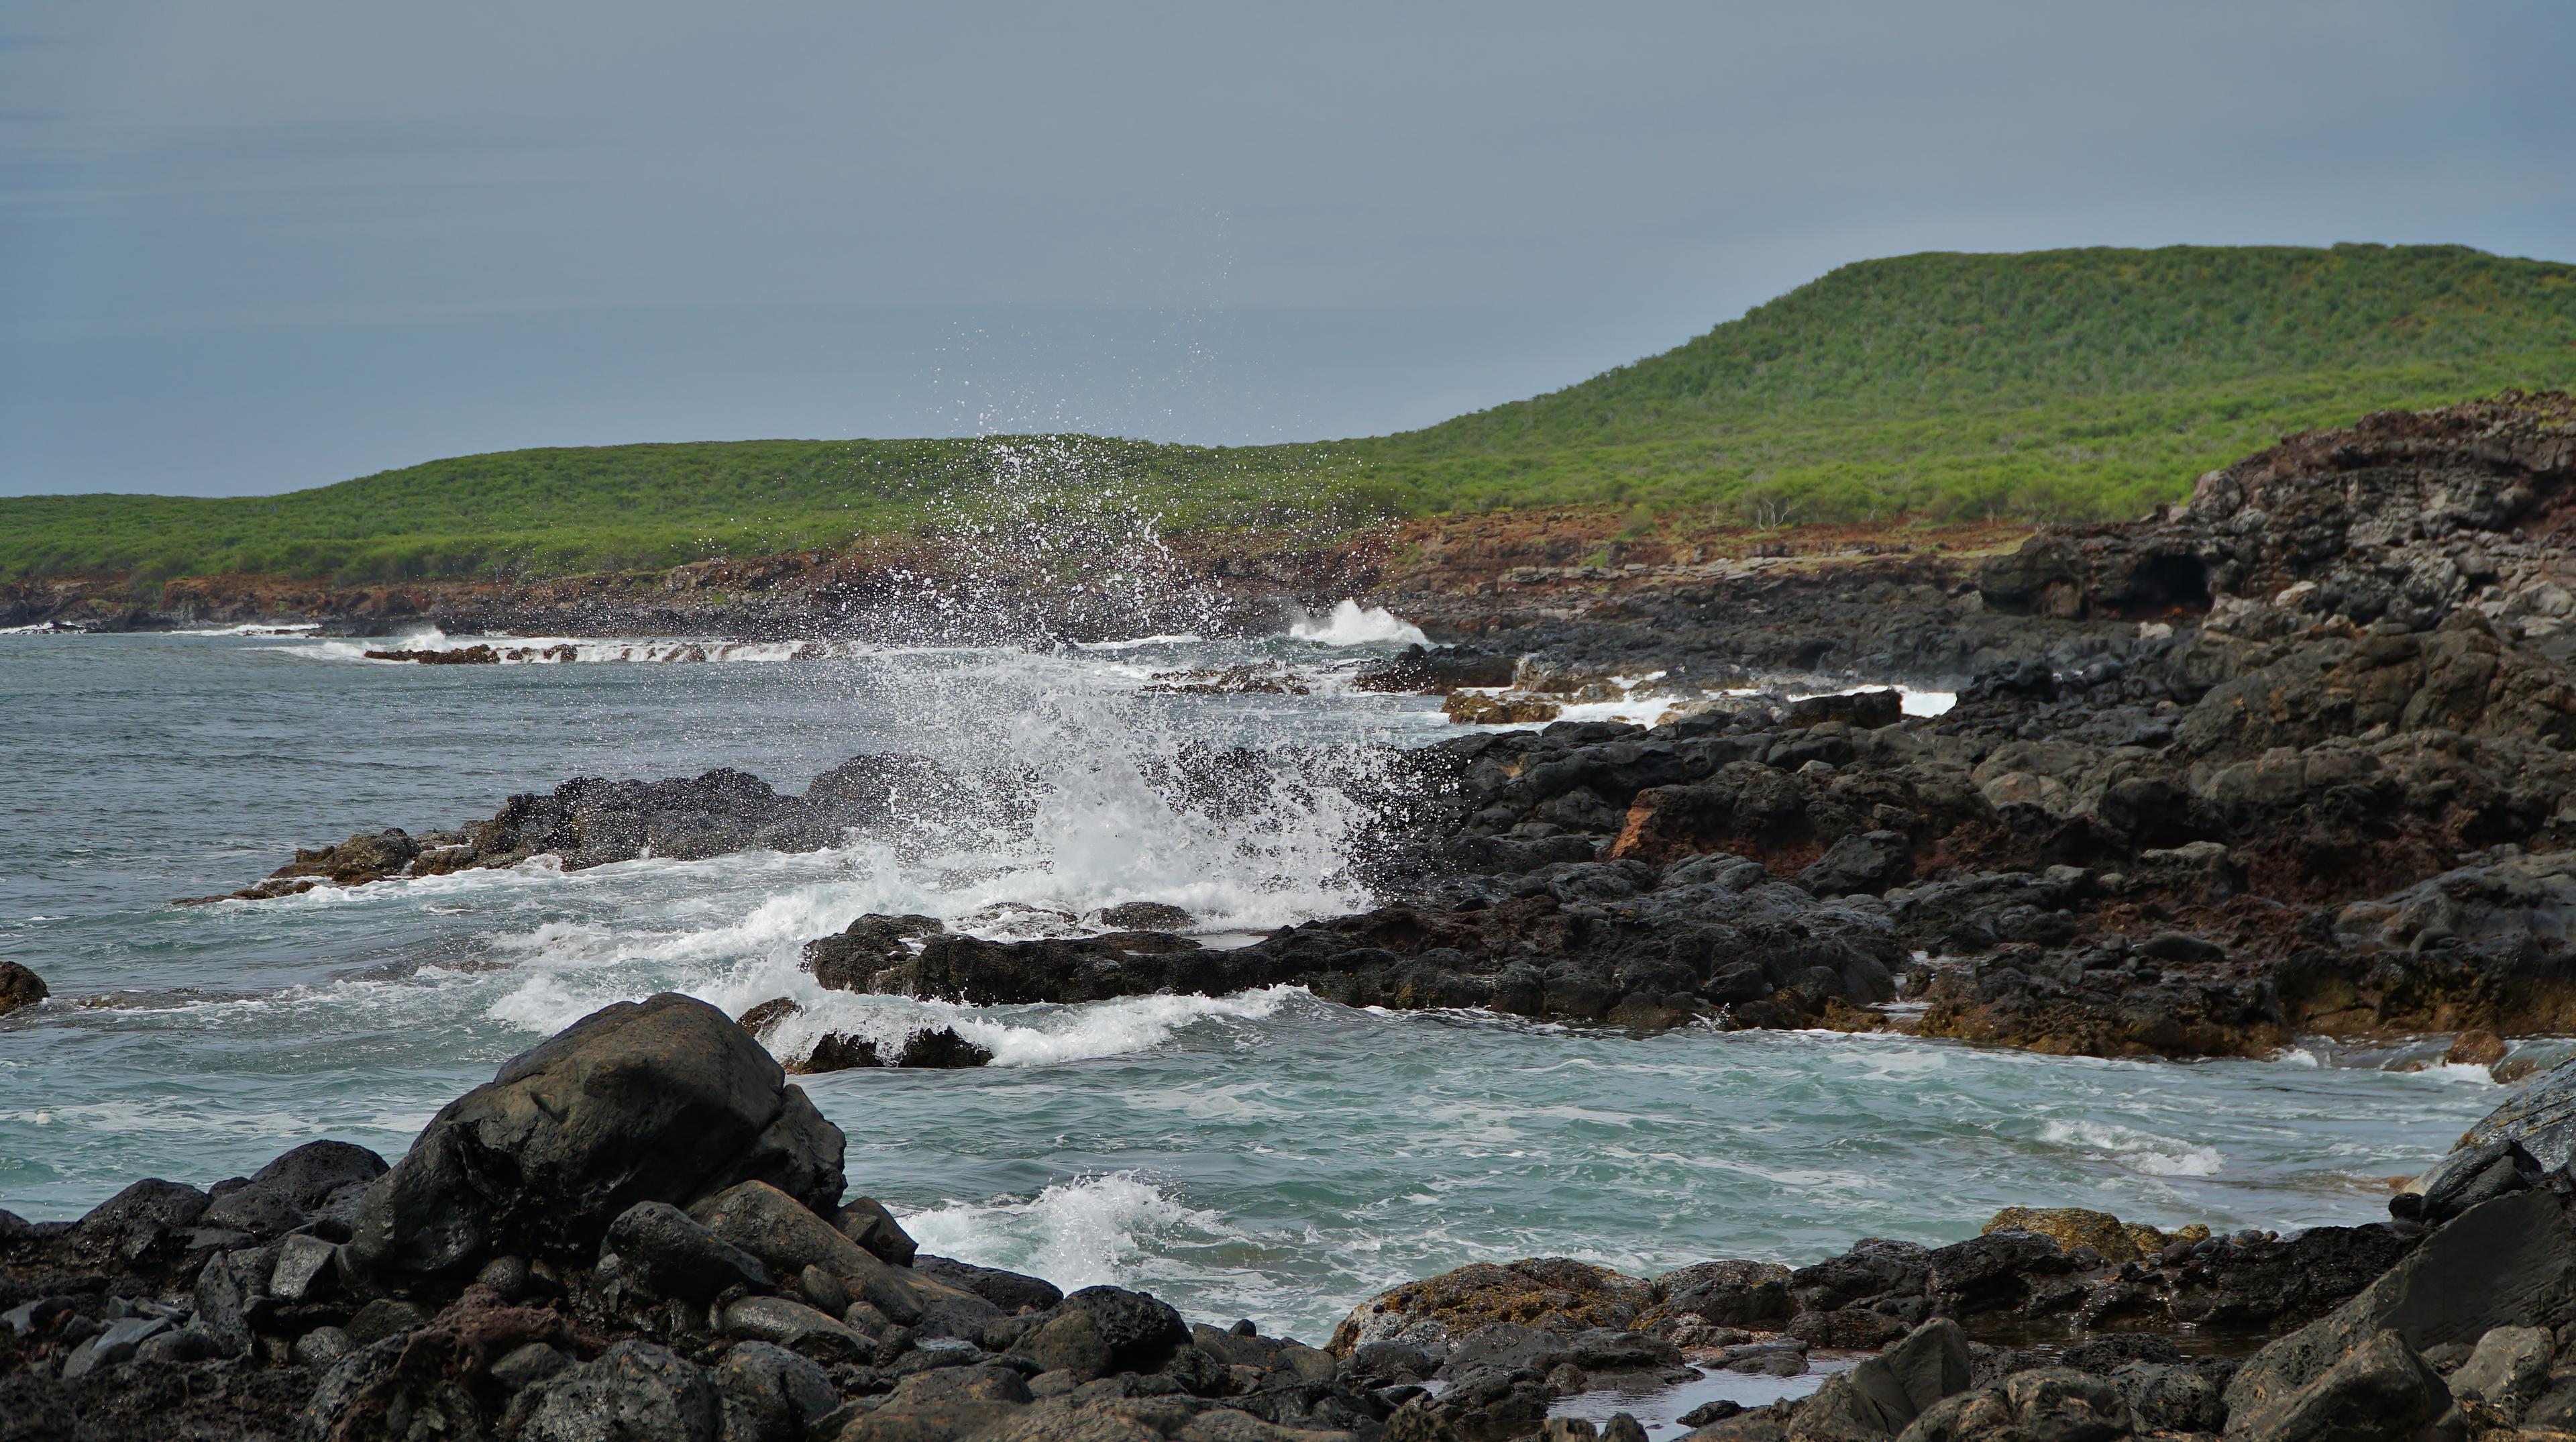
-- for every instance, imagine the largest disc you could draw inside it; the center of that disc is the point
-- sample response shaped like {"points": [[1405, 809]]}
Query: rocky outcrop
{"points": [[630, 1232], [663, 1100]]}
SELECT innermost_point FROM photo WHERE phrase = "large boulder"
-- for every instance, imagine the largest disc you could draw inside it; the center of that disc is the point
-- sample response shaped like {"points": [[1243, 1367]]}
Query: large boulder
{"points": [[664, 1100], [2510, 1262], [1884, 1394]]}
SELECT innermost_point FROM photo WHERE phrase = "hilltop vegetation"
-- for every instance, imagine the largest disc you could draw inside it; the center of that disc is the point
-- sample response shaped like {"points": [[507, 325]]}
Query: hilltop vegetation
{"points": [[2044, 385]]}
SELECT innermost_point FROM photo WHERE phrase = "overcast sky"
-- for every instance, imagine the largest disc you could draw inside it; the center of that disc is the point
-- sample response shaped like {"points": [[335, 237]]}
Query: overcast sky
{"points": [[261, 245]]}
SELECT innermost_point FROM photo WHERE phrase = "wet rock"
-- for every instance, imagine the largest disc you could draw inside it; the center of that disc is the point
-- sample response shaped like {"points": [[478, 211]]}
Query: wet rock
{"points": [[663, 1100], [305, 1266], [851, 960], [1145, 916], [762, 1018], [2164, 1397], [2540, 1119], [1009, 1291], [1140, 1330], [941, 1047], [19, 987], [2477, 1175], [865, 1221], [385, 1317], [672, 1256], [1435, 671], [837, 1051], [524, 1367]]}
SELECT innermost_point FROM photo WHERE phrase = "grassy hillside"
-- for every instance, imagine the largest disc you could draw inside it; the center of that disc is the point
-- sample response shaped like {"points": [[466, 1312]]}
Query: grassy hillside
{"points": [[2061, 383]]}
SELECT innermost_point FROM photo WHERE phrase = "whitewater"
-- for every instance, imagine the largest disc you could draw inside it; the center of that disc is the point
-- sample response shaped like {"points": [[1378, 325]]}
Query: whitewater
{"points": [[1267, 1155]]}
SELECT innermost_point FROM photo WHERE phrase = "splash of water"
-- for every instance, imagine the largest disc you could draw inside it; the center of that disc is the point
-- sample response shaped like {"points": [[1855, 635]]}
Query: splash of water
{"points": [[1351, 624]]}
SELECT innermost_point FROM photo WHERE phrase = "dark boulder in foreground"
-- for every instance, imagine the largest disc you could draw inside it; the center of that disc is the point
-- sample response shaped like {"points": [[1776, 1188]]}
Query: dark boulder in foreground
{"points": [[662, 1100]]}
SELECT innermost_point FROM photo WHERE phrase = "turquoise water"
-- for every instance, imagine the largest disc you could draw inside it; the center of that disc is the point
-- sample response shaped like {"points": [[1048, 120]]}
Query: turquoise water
{"points": [[1268, 1156]]}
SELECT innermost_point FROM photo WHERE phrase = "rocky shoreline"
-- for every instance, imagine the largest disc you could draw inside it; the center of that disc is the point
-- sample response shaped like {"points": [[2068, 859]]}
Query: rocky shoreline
{"points": [[2295, 759], [2290, 760], [640, 1230]]}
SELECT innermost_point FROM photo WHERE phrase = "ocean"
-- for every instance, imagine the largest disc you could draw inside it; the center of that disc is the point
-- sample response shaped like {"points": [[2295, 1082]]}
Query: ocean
{"points": [[1267, 1156]]}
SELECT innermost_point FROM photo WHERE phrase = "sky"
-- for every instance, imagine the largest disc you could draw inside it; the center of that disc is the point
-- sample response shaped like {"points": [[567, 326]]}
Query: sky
{"points": [[264, 245]]}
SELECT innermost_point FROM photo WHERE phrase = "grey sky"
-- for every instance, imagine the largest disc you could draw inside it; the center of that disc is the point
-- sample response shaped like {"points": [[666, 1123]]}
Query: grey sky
{"points": [[263, 245]]}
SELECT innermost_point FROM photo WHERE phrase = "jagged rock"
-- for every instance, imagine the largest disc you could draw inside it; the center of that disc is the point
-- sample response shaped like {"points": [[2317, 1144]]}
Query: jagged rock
{"points": [[2541, 1119], [2508, 1369], [851, 960], [1731, 1293], [2057, 1403], [2072, 1227], [2380, 1388], [1883, 1396], [634, 1392], [2508, 1263], [1862, 864], [1564, 1293], [662, 1100], [944, 1406]]}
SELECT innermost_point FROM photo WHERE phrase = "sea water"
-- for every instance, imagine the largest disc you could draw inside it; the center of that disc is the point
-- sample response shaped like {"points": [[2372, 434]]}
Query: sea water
{"points": [[1267, 1156]]}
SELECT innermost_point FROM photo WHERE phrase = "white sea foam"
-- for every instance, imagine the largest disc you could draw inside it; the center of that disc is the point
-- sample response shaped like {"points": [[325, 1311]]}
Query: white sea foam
{"points": [[1352, 624], [2142, 1152], [1179, 638], [280, 628], [1019, 1036], [1081, 1233]]}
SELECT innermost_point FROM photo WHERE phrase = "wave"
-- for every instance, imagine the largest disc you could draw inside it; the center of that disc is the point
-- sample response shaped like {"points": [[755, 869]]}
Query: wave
{"points": [[1090, 1231], [1024, 1036], [2142, 1152], [1351, 624]]}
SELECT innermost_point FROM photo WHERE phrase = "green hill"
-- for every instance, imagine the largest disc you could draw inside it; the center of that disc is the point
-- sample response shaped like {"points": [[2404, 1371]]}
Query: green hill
{"points": [[2051, 384]]}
